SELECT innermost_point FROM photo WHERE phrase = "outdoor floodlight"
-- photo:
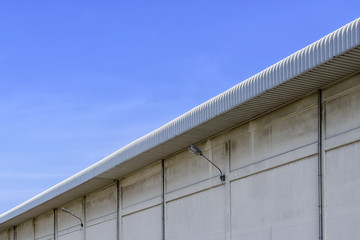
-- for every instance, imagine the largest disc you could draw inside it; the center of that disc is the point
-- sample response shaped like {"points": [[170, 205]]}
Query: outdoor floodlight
{"points": [[67, 211], [195, 150]]}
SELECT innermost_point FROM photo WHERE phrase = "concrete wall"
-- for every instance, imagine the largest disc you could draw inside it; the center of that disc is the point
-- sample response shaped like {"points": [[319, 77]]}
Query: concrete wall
{"points": [[68, 227], [140, 211], [44, 226], [342, 160], [5, 235], [101, 214], [26, 231], [271, 190]]}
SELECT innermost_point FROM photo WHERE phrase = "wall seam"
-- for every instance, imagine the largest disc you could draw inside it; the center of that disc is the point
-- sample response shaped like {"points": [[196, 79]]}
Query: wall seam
{"points": [[320, 164], [117, 209], [228, 192], [55, 224], [120, 211], [163, 199], [33, 225], [84, 222]]}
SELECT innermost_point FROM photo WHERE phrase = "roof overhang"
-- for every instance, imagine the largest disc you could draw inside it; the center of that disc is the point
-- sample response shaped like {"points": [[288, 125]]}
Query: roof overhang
{"points": [[331, 59]]}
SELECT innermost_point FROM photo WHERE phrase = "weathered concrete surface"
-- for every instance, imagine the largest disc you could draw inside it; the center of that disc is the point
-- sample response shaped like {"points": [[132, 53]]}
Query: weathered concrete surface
{"points": [[279, 203], [197, 216], [68, 226], [4, 235], [101, 214], [140, 208], [148, 220], [25, 231], [343, 192]]}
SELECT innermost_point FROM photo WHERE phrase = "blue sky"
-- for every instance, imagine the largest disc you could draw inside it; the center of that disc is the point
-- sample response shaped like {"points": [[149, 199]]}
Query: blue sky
{"points": [[81, 79]]}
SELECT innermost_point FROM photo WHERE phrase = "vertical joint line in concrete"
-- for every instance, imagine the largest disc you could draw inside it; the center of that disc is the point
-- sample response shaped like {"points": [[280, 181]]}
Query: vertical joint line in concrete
{"points": [[55, 223], [84, 216], [228, 192], [14, 232], [120, 212], [163, 198], [320, 164], [117, 209], [33, 226]]}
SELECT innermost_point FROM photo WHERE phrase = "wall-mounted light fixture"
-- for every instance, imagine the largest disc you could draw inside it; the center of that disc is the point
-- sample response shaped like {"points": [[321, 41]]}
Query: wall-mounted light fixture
{"points": [[67, 211], [195, 150]]}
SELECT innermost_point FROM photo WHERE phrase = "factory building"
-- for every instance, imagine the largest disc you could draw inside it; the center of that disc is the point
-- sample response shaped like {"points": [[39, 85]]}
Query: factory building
{"points": [[286, 139]]}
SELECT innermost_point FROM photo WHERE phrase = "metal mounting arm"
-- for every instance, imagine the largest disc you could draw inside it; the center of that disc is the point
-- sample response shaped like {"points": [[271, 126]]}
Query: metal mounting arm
{"points": [[67, 211], [195, 150]]}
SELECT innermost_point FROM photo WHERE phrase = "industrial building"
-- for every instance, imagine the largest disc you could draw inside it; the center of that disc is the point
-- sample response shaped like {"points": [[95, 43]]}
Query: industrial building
{"points": [[286, 139]]}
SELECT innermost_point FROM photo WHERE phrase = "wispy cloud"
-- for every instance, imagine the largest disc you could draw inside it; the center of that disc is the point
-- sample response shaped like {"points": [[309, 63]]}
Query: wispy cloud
{"points": [[29, 176]]}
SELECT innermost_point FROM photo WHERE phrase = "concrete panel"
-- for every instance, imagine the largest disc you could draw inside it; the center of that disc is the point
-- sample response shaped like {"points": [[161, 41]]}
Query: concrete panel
{"points": [[102, 231], [186, 169], [280, 203], [343, 192], [77, 235], [25, 231], [44, 226], [343, 112], [241, 151], [101, 203], [141, 186], [294, 131], [198, 216], [4, 235], [278, 132], [142, 190], [68, 225], [145, 224]]}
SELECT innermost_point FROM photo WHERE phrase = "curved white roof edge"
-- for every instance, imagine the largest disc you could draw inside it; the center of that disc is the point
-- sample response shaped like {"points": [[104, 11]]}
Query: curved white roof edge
{"points": [[301, 61]]}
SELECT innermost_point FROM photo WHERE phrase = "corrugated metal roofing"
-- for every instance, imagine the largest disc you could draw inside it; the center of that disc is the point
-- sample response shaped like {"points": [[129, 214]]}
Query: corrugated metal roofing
{"points": [[324, 62]]}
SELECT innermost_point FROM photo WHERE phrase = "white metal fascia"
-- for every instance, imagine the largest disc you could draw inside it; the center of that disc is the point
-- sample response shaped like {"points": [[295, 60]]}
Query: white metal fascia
{"points": [[298, 64]]}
